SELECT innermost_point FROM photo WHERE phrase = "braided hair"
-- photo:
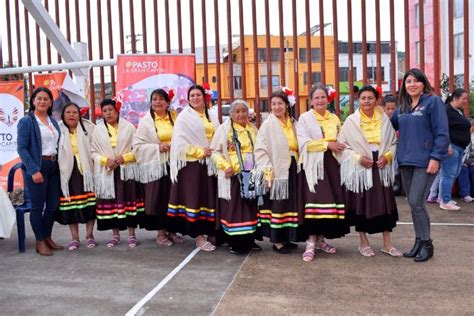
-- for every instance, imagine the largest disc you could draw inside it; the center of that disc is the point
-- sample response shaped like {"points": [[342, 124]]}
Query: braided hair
{"points": [[282, 95], [80, 118], [104, 103], [162, 93], [200, 88]]}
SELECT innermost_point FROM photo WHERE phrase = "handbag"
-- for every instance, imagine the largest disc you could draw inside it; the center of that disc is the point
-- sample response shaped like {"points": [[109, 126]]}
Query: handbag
{"points": [[248, 189]]}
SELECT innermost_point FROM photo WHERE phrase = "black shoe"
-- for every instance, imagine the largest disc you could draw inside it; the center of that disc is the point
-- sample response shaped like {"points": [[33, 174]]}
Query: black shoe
{"points": [[290, 245], [256, 247], [426, 251], [414, 250], [284, 250], [237, 251]]}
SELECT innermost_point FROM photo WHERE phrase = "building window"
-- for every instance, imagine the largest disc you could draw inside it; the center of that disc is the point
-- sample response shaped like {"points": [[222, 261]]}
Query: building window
{"points": [[315, 77], [417, 13], [459, 46], [264, 82], [372, 73], [344, 74], [315, 55], [274, 54], [263, 105], [458, 8], [237, 82]]}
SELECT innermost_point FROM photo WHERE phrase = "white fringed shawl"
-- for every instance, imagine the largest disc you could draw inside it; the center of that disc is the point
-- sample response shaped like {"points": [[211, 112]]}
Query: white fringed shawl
{"points": [[188, 130], [272, 152], [146, 146], [355, 177], [101, 146], [66, 156], [308, 129], [219, 147]]}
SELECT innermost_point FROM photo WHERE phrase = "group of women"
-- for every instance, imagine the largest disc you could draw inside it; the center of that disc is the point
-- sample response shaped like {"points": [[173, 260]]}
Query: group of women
{"points": [[182, 175]]}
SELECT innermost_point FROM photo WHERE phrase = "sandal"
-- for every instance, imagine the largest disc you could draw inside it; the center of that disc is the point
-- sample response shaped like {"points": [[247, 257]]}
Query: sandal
{"points": [[132, 241], [73, 245], [366, 251], [163, 240], [91, 243], [308, 255], [176, 239], [394, 252], [206, 246], [324, 246], [113, 242]]}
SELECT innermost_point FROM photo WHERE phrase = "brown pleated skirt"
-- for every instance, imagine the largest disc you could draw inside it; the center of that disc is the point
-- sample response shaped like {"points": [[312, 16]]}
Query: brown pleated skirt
{"points": [[192, 202], [157, 195], [374, 210], [323, 211]]}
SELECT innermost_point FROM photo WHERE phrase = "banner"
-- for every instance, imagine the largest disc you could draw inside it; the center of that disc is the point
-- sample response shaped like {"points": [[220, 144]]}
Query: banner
{"points": [[139, 75], [63, 88], [11, 111]]}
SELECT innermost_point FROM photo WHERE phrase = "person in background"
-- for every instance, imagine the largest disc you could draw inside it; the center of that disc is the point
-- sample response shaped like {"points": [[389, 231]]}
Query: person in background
{"points": [[77, 203], [460, 139], [389, 104], [466, 176], [321, 196], [192, 202], [151, 147], [233, 145], [424, 139], [367, 173], [119, 201], [276, 155], [37, 144]]}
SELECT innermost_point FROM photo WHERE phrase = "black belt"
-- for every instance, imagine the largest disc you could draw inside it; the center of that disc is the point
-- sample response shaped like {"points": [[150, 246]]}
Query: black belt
{"points": [[51, 157]]}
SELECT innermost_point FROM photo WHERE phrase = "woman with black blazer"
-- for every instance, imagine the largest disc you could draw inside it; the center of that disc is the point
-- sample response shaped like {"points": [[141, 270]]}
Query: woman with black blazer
{"points": [[37, 144]]}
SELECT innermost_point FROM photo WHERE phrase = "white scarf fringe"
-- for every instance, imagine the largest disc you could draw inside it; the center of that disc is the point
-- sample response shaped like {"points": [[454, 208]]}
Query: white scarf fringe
{"points": [[279, 189], [314, 169], [88, 181], [355, 177], [104, 181], [129, 172], [223, 186], [154, 170]]}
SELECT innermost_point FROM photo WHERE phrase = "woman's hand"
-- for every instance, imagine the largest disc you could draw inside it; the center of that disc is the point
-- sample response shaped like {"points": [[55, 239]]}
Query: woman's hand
{"points": [[337, 147], [111, 163], [366, 162], [229, 172], [37, 177], [207, 152], [164, 147], [382, 162], [433, 166], [119, 160]]}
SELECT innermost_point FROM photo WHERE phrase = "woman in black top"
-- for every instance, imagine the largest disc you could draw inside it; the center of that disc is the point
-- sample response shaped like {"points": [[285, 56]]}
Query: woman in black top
{"points": [[460, 138]]}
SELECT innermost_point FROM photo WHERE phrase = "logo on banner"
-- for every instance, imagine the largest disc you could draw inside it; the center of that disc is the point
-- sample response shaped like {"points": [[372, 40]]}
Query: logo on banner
{"points": [[9, 118], [143, 67]]}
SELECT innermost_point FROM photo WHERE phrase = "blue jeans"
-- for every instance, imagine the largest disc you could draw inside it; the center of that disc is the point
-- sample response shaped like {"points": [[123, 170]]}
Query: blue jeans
{"points": [[44, 199], [466, 181], [450, 168]]}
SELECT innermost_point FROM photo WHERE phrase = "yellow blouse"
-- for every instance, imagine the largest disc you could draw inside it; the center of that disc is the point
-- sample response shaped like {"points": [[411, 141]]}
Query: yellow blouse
{"points": [[330, 126], [194, 153], [164, 127], [75, 151], [246, 147], [113, 131], [372, 129], [290, 134]]}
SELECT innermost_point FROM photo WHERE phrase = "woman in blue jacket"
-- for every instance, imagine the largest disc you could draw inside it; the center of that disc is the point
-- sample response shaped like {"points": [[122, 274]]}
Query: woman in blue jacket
{"points": [[424, 140], [37, 144]]}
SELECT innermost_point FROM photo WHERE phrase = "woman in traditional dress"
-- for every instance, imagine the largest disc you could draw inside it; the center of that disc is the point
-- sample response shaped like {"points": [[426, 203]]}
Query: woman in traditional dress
{"points": [[367, 173], [320, 191], [38, 138], [151, 147], [193, 196], [77, 203], [276, 154], [119, 203], [233, 145]]}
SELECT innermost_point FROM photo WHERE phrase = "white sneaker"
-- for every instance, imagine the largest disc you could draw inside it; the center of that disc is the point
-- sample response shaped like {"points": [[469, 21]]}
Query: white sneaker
{"points": [[467, 199], [449, 206]]}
